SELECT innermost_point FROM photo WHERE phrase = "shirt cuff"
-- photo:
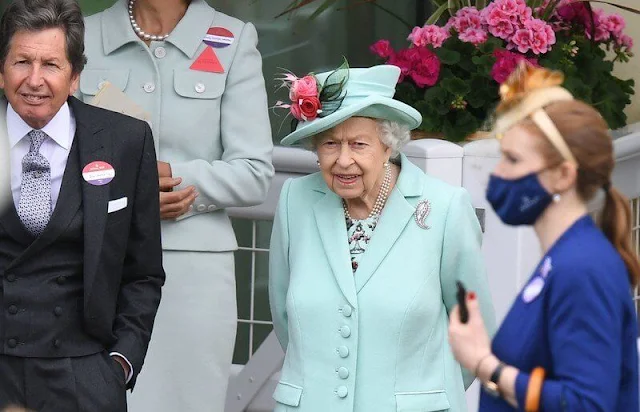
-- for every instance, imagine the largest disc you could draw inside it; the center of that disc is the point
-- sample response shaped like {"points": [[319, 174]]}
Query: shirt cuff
{"points": [[128, 363]]}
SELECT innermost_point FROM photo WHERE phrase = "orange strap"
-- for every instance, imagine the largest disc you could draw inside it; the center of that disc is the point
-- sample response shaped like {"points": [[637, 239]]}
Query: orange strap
{"points": [[534, 390]]}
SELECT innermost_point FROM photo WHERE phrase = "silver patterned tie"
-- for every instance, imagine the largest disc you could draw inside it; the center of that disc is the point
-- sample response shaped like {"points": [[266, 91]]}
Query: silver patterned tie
{"points": [[34, 208]]}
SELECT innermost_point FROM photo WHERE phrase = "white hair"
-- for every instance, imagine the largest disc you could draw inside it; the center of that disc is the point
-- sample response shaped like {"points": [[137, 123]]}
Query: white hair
{"points": [[392, 134]]}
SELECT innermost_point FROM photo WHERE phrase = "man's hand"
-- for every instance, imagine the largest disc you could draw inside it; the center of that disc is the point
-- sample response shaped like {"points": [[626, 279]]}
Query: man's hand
{"points": [[164, 169], [123, 363]]}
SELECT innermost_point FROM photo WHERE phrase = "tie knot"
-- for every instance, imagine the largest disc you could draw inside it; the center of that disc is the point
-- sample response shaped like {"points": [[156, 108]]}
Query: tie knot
{"points": [[37, 137]]}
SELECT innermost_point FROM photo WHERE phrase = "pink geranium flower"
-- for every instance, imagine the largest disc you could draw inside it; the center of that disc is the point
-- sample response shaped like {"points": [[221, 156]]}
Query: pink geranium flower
{"points": [[506, 63], [625, 41], [466, 18], [536, 35], [475, 36], [382, 49], [419, 63], [432, 35], [615, 24]]}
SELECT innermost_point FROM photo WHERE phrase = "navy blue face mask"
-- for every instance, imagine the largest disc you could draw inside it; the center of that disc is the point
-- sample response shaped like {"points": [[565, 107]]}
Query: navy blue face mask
{"points": [[520, 201]]}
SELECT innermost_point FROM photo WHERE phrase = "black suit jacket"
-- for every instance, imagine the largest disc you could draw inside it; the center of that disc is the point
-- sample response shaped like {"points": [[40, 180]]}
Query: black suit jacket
{"points": [[123, 271]]}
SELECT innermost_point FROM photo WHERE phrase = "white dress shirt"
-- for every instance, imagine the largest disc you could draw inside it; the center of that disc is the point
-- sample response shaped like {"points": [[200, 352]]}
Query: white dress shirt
{"points": [[61, 131]]}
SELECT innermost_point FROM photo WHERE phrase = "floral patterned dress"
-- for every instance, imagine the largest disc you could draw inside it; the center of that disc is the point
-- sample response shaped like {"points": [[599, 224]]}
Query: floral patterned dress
{"points": [[359, 232]]}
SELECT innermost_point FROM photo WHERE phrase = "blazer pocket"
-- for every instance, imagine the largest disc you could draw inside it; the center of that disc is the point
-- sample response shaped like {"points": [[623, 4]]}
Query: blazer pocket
{"points": [[198, 85], [91, 80], [427, 401], [287, 394]]}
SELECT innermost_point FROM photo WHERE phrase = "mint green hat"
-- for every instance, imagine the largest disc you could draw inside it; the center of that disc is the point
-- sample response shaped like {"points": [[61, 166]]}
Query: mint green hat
{"points": [[367, 92]]}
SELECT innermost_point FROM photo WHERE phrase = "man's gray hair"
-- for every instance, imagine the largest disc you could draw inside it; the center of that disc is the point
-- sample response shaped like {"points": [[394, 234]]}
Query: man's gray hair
{"points": [[37, 15]]}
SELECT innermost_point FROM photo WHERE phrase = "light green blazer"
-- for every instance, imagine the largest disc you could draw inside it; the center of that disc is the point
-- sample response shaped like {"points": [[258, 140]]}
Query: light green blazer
{"points": [[376, 341], [213, 128]]}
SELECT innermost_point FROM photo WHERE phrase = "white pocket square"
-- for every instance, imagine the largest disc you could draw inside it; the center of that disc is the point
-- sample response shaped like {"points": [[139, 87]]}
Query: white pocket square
{"points": [[118, 204]]}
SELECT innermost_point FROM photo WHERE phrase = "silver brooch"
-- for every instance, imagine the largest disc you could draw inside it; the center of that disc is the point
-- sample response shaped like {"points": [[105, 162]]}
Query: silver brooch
{"points": [[422, 211]]}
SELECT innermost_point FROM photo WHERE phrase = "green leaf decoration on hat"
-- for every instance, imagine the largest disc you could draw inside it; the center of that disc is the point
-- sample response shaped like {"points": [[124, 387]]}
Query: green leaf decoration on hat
{"points": [[331, 95]]}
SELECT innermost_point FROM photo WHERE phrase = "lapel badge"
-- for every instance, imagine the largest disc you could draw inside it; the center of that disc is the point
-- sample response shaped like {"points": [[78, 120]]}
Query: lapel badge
{"points": [[533, 289], [422, 211]]}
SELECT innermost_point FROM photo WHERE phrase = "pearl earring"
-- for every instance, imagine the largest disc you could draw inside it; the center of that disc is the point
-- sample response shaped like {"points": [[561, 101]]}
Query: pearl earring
{"points": [[386, 164], [318, 163], [556, 198]]}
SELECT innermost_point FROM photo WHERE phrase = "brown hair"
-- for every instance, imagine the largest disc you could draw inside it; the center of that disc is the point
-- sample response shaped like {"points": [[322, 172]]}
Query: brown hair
{"points": [[587, 135]]}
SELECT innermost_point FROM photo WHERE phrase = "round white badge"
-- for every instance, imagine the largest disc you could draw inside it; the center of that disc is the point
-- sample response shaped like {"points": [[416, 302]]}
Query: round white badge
{"points": [[533, 289], [98, 173]]}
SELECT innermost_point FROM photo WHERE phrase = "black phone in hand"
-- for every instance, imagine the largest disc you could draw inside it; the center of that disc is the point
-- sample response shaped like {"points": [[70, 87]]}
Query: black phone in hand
{"points": [[461, 295]]}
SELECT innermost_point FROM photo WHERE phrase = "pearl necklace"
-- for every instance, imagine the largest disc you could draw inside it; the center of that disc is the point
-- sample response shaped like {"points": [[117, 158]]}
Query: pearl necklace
{"points": [[380, 200], [138, 30]]}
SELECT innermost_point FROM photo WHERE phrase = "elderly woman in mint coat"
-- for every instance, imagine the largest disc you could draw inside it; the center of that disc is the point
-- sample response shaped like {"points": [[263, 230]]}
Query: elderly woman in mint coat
{"points": [[209, 116], [364, 260]]}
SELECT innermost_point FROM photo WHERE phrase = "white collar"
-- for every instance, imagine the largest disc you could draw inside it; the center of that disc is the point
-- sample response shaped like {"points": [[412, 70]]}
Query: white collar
{"points": [[58, 129]]}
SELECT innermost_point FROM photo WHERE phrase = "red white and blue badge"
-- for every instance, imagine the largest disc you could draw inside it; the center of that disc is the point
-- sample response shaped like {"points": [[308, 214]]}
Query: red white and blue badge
{"points": [[218, 37], [98, 173]]}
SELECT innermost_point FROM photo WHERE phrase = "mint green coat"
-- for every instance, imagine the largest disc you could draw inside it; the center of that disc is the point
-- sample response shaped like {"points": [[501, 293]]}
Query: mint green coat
{"points": [[376, 340]]}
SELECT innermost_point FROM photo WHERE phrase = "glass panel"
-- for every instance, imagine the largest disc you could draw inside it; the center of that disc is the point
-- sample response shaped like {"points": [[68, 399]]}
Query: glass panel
{"points": [[241, 350], [263, 233], [260, 333], [243, 283], [261, 308], [244, 231], [301, 45]]}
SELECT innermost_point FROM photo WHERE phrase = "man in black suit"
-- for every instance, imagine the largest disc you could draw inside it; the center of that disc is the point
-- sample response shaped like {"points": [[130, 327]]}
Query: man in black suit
{"points": [[80, 255]]}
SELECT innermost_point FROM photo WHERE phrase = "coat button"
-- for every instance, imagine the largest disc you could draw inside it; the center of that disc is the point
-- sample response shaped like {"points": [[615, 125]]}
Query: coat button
{"points": [[346, 310], [343, 372], [57, 311], [160, 52], [11, 277], [343, 351], [211, 208], [13, 309], [61, 280], [200, 88], [12, 343], [101, 84], [57, 343], [342, 391], [149, 87], [345, 331], [201, 208]]}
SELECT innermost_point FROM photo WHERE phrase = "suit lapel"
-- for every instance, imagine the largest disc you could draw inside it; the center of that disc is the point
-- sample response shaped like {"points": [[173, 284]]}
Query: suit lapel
{"points": [[397, 213], [11, 223], [95, 199], [333, 233], [67, 206]]}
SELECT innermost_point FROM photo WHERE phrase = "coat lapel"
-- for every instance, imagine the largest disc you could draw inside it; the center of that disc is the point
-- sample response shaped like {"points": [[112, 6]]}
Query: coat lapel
{"points": [[95, 199], [333, 233], [397, 213]]}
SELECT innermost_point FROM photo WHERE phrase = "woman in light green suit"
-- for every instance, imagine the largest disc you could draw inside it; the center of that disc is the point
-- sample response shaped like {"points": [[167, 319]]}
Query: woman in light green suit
{"points": [[365, 256], [198, 74]]}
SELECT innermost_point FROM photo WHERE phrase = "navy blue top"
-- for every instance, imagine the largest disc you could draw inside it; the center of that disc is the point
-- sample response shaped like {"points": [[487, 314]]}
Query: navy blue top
{"points": [[576, 319]]}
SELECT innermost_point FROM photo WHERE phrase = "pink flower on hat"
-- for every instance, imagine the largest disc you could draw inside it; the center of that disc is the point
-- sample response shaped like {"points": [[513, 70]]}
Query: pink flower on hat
{"points": [[303, 87]]}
